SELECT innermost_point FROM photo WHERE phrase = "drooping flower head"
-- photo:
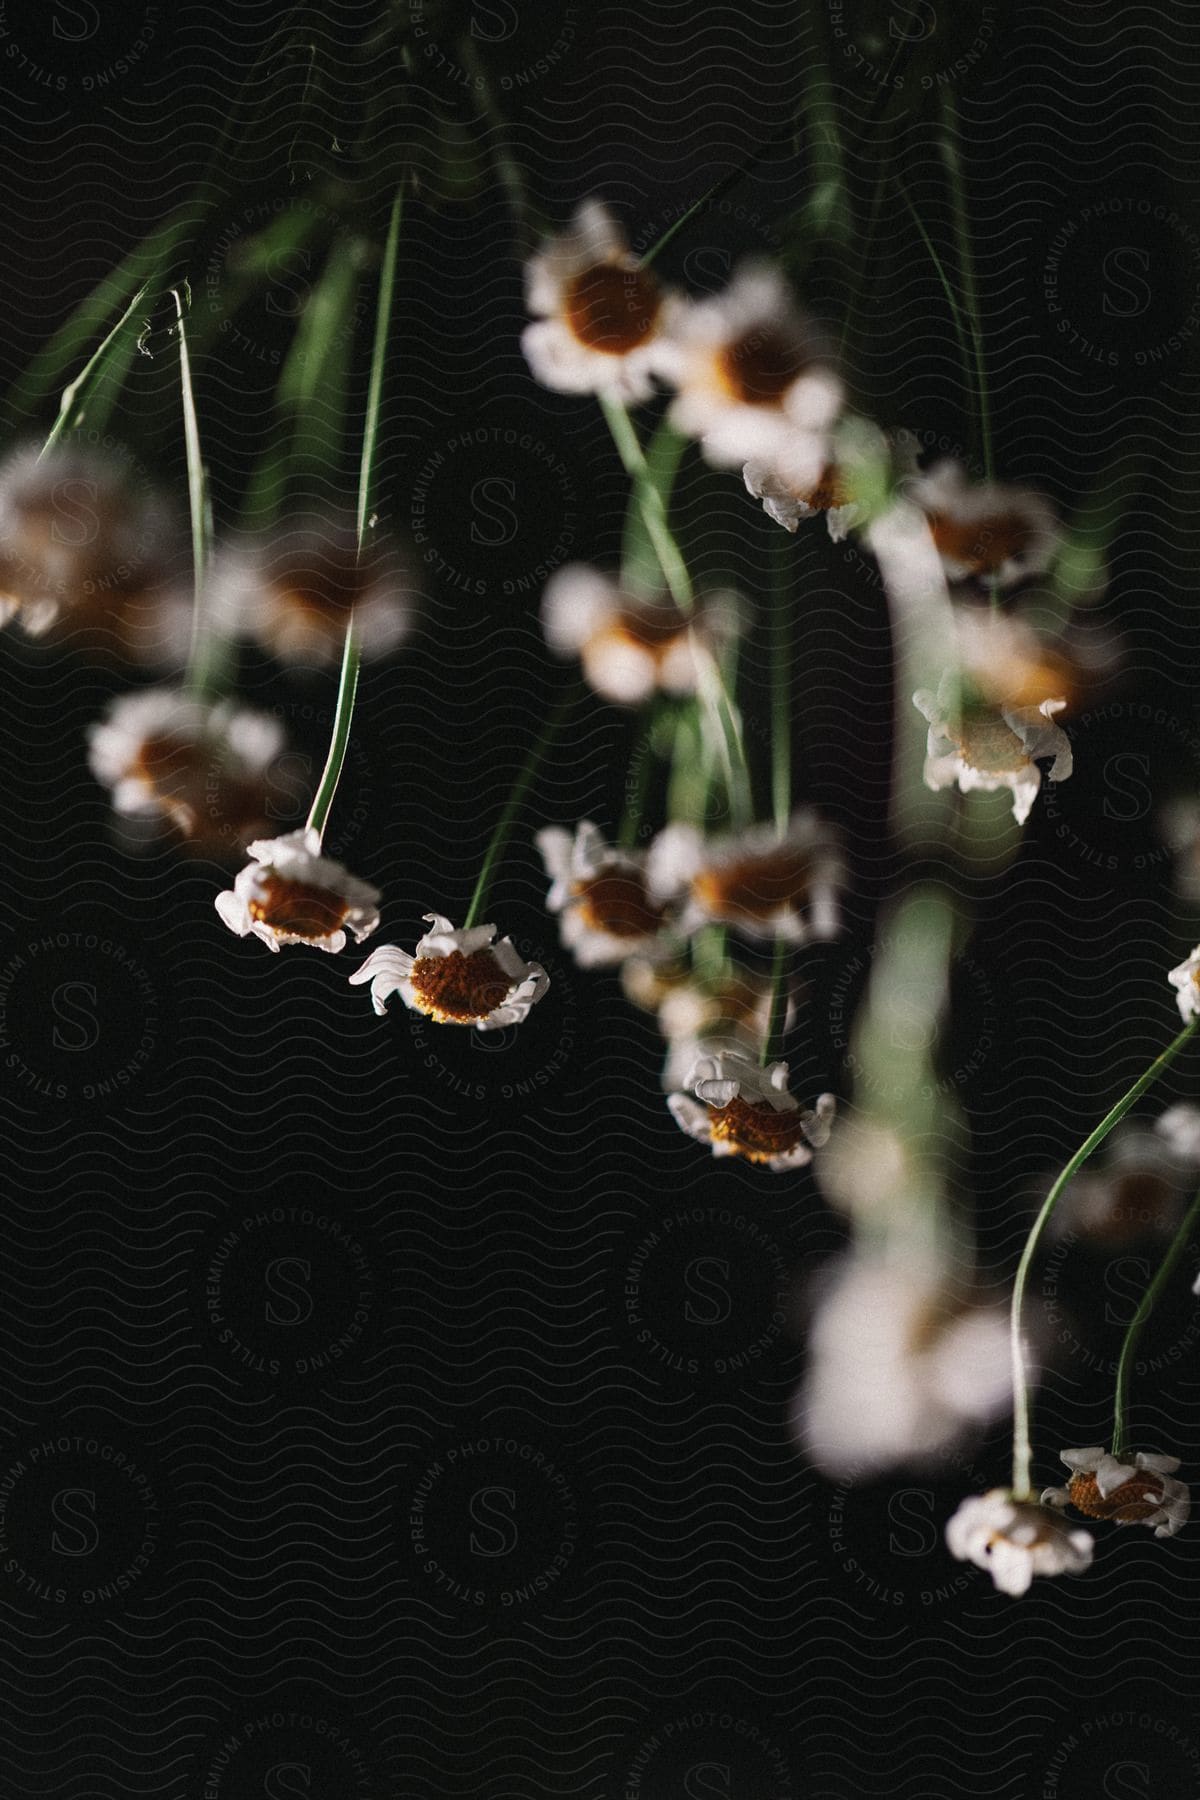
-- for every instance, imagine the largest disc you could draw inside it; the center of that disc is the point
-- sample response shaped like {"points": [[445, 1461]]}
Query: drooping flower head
{"points": [[1141, 1492], [201, 765], [600, 316], [986, 531], [78, 532], [291, 894], [846, 488], [755, 381], [742, 1109], [600, 892], [714, 1015], [293, 592], [459, 977], [975, 744], [765, 884], [1186, 978], [632, 647], [1014, 1540]]}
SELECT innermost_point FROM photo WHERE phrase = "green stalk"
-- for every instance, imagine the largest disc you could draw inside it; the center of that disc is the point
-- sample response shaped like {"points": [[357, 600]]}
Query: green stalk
{"points": [[781, 691], [773, 1041], [1021, 1399], [205, 657], [650, 503], [69, 412], [1146, 1305], [952, 159], [500, 835]]}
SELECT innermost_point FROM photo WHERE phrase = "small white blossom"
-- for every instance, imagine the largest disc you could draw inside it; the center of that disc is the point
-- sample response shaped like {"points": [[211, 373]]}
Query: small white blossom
{"points": [[291, 894], [1187, 979], [632, 647], [765, 884], [741, 1109], [458, 977], [600, 891], [1141, 1492], [977, 745], [1014, 1540], [843, 490], [986, 530]]}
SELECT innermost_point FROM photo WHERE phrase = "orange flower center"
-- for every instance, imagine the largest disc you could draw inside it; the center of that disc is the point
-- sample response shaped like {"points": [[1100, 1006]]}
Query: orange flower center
{"points": [[830, 491], [983, 545], [298, 907], [986, 743], [457, 989], [757, 1130], [203, 801], [1133, 1501], [755, 887], [759, 367], [612, 309], [616, 902]]}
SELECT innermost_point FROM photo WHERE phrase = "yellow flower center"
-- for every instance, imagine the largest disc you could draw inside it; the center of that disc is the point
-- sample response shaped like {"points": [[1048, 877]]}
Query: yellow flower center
{"points": [[458, 989]]}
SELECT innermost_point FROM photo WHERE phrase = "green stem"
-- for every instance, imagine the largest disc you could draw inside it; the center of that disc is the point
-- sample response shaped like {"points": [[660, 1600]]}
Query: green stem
{"points": [[205, 656], [507, 818], [649, 502], [68, 412], [1146, 1305], [773, 1041], [342, 719], [961, 328], [1021, 1407], [781, 691], [960, 210]]}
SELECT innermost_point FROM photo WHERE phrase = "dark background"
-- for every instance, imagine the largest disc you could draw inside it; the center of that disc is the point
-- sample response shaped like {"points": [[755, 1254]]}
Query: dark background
{"points": [[186, 1110]]}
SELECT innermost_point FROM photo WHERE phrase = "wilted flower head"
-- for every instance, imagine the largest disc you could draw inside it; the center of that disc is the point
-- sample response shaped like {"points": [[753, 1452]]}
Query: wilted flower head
{"points": [[765, 884], [1014, 1540], [1141, 1492], [1141, 1188], [600, 891], [843, 490], [744, 1110], [600, 316], [976, 744], [294, 591], [986, 530], [78, 532], [200, 765], [901, 1368], [291, 894], [456, 977], [632, 647], [755, 381], [1187, 979]]}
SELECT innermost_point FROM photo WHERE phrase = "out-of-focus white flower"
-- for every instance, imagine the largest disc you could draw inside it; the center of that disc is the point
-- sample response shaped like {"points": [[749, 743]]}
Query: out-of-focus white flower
{"points": [[899, 1372], [203, 766], [291, 894], [844, 490], [978, 745], [1142, 1185], [1141, 1492], [1187, 979], [600, 891], [755, 382], [729, 1014], [632, 647], [1014, 1540], [600, 317], [867, 1168], [293, 592], [986, 530], [455, 977], [766, 885], [741, 1109]]}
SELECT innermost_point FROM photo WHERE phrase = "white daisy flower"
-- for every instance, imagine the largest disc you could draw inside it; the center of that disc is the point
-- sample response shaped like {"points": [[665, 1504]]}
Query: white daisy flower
{"points": [[293, 593], [632, 647], [844, 491], [1141, 1492], [600, 891], [986, 530], [599, 316], [980, 745], [766, 885], [755, 382], [1014, 1540], [899, 1372], [1187, 979], [456, 977], [201, 765], [291, 894], [744, 1110]]}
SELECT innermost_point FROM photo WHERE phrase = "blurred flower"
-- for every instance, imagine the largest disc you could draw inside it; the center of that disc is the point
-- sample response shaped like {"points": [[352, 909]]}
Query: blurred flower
{"points": [[1187, 979], [850, 479], [715, 1016], [631, 647], [1138, 1493], [293, 593], [979, 745], [1143, 1186], [900, 1370], [456, 977], [755, 382], [986, 530], [601, 894], [1014, 1540], [291, 894], [600, 316], [867, 1168], [766, 885], [203, 766], [1009, 664], [744, 1110], [77, 532]]}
